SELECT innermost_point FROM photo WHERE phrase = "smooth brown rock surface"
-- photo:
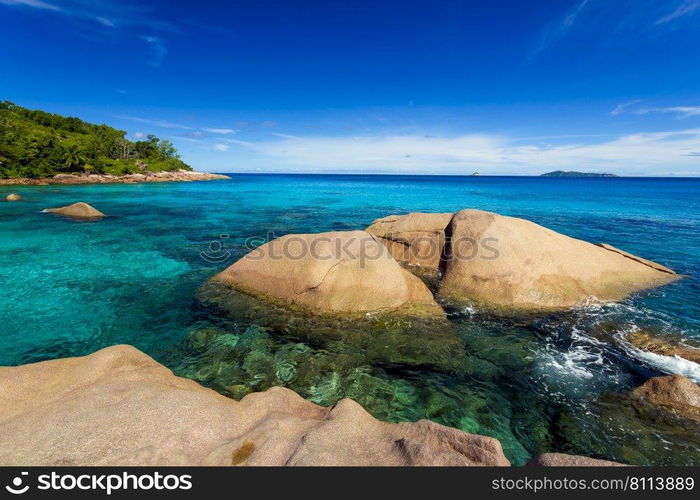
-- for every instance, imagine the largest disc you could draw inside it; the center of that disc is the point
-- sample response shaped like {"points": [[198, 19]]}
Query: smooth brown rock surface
{"points": [[330, 273], [673, 392], [564, 460], [119, 407], [535, 268], [13, 197], [78, 210], [416, 239]]}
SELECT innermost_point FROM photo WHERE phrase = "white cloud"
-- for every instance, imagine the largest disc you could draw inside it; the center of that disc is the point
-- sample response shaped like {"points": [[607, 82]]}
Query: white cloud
{"points": [[558, 30], [682, 111], [37, 4], [647, 153], [138, 135], [105, 21], [221, 147], [686, 8], [157, 123], [157, 48], [622, 107], [220, 130]]}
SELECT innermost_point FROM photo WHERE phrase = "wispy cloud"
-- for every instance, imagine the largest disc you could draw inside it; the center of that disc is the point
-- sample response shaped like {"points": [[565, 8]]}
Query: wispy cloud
{"points": [[623, 106], [681, 111], [37, 4], [686, 8], [105, 21], [158, 50], [557, 30], [635, 154], [156, 123], [120, 18], [221, 147], [223, 131]]}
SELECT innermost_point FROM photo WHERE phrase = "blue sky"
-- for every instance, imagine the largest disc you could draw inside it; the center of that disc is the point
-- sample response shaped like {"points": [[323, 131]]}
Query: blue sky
{"points": [[450, 87]]}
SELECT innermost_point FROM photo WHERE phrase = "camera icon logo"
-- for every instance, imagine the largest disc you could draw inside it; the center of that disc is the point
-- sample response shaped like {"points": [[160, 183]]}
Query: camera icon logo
{"points": [[216, 253], [16, 488]]}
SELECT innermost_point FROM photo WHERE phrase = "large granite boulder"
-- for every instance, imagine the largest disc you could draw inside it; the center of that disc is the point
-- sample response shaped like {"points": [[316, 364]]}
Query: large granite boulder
{"points": [[564, 460], [509, 264], [415, 239], [330, 273], [78, 210], [674, 393], [119, 407]]}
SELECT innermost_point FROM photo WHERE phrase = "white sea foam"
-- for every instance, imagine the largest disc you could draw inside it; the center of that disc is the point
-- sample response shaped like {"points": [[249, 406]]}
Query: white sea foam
{"points": [[578, 369], [673, 365]]}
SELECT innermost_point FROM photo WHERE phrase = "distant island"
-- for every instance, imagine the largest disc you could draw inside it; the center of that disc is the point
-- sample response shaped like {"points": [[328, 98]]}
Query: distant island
{"points": [[39, 145], [571, 173]]}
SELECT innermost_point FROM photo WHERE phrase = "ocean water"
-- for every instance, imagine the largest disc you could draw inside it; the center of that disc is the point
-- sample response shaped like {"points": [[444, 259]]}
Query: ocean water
{"points": [[554, 383]]}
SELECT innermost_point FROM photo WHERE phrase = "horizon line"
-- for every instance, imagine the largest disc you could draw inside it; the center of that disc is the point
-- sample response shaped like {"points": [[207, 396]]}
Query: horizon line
{"points": [[413, 174]]}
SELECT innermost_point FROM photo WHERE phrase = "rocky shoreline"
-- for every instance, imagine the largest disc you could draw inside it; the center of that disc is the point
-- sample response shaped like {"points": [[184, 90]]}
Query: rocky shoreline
{"points": [[70, 179]]}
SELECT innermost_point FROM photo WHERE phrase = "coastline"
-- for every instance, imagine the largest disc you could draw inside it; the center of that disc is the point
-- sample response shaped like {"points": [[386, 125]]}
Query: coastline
{"points": [[72, 179]]}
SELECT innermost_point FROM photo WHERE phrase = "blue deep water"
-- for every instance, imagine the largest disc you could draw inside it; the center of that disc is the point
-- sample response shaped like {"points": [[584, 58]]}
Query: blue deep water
{"points": [[549, 384]]}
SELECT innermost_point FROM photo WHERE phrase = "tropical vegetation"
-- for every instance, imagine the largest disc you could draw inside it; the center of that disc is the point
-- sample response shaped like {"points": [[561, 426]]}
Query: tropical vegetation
{"points": [[37, 144]]}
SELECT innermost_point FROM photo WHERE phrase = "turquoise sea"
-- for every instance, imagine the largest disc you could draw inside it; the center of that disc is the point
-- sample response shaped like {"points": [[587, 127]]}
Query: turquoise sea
{"points": [[555, 383]]}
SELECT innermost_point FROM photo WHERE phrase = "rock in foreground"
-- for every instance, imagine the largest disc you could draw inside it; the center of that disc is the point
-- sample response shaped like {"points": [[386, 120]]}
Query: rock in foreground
{"points": [[330, 273], [78, 210], [674, 393], [119, 407], [534, 268], [13, 197]]}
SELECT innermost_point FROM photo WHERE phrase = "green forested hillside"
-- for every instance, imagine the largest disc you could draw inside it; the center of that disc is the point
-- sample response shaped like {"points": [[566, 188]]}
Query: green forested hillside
{"points": [[37, 144]]}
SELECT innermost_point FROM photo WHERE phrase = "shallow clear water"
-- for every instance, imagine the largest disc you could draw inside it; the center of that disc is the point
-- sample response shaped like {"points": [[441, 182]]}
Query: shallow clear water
{"points": [[540, 384]]}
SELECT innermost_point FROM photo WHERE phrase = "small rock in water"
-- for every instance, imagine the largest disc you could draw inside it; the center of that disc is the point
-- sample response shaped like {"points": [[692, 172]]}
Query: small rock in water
{"points": [[78, 210]]}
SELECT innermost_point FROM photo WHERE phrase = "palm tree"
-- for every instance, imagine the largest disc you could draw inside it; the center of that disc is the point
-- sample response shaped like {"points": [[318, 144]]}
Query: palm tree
{"points": [[73, 158]]}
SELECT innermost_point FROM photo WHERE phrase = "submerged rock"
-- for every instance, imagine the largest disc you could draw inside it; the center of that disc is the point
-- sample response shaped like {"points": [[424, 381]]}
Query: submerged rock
{"points": [[675, 393], [383, 339], [506, 263], [126, 409], [564, 460], [647, 341], [415, 239], [78, 210], [330, 273], [13, 197]]}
